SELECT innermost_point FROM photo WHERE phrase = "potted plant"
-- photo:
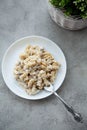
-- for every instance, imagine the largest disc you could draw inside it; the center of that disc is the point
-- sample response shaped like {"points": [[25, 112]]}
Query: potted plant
{"points": [[69, 14]]}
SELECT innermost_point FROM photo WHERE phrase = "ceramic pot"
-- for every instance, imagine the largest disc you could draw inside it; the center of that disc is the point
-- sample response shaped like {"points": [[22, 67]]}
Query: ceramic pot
{"points": [[64, 21]]}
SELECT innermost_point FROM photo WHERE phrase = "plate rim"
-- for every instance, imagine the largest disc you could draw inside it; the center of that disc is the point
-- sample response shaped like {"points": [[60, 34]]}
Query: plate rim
{"points": [[13, 43]]}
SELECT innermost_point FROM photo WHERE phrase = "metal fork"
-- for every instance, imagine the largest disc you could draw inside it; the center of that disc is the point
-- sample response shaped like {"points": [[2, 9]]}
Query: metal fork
{"points": [[77, 116]]}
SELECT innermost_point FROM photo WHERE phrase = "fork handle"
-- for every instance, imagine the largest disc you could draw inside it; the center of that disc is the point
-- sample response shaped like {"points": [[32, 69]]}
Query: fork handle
{"points": [[77, 116]]}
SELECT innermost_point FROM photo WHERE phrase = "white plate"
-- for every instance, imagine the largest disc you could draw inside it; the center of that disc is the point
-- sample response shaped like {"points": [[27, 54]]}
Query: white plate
{"points": [[12, 55]]}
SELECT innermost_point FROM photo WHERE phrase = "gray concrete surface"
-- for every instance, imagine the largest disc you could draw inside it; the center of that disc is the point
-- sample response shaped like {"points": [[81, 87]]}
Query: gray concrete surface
{"points": [[19, 18]]}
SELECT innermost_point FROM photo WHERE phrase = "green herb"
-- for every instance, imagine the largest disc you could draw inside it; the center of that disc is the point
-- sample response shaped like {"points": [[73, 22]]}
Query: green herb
{"points": [[77, 8]]}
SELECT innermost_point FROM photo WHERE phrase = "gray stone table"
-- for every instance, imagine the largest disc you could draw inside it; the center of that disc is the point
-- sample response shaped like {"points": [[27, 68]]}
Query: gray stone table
{"points": [[19, 18]]}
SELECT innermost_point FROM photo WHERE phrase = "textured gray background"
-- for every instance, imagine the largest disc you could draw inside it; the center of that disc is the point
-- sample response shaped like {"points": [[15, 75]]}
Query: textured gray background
{"points": [[19, 18]]}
